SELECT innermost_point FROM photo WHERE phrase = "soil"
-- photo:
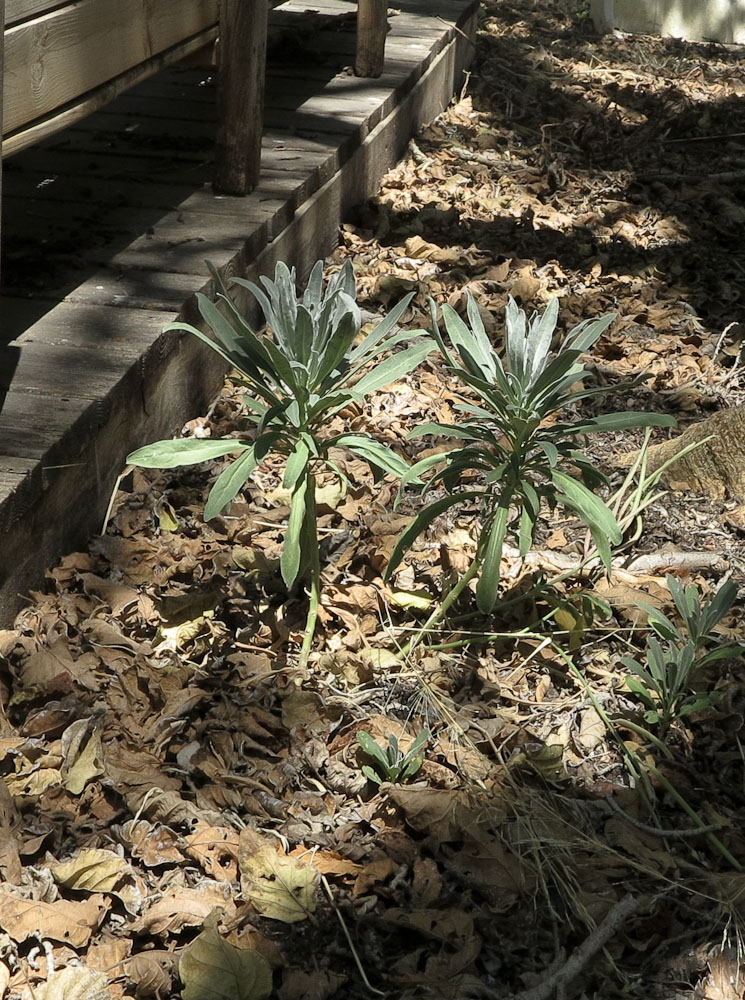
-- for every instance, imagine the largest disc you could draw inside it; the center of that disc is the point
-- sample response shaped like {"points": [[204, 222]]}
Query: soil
{"points": [[184, 811]]}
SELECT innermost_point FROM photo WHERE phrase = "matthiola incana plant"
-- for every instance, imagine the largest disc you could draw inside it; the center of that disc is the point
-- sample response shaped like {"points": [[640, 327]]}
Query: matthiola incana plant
{"points": [[517, 446], [296, 380]]}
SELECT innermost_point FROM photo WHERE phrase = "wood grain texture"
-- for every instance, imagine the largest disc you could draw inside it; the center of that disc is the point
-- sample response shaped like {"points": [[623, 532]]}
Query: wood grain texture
{"points": [[24, 10], [54, 59], [35, 130], [2, 77], [240, 95], [372, 25]]}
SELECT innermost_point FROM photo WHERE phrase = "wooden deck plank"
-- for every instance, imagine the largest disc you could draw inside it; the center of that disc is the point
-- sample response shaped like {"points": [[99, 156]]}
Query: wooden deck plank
{"points": [[94, 41], [128, 220]]}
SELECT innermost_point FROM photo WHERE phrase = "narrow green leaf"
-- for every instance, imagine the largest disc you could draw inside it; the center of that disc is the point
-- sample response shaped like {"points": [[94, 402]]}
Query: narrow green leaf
{"points": [[330, 357], [637, 687], [381, 331], [539, 341], [393, 368], [487, 588], [228, 483], [420, 523], [291, 557], [485, 349], [236, 359], [372, 748], [467, 431], [297, 462], [527, 529], [591, 508], [618, 422], [413, 473], [184, 451], [477, 360], [374, 452], [583, 336]]}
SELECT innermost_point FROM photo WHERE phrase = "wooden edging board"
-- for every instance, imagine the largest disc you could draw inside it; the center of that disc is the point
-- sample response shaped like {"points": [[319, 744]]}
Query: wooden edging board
{"points": [[55, 484]]}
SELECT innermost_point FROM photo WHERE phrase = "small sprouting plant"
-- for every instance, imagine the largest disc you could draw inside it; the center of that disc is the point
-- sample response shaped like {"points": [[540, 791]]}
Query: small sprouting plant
{"points": [[391, 764], [675, 656], [296, 381], [516, 449]]}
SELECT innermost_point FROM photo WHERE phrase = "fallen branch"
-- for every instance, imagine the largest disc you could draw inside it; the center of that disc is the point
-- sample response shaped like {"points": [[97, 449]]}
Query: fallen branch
{"points": [[727, 177], [649, 562], [655, 562], [610, 925]]}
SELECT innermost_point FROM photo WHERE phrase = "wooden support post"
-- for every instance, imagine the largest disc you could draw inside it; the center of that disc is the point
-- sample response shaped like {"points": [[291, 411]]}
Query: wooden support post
{"points": [[372, 24], [2, 50], [242, 69]]}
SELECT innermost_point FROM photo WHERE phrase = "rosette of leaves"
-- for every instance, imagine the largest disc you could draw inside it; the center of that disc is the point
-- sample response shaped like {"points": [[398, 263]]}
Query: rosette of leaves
{"points": [[675, 657], [515, 449], [296, 380], [392, 764]]}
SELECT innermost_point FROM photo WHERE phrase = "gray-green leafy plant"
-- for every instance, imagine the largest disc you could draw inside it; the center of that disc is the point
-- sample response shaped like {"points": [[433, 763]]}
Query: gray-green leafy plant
{"points": [[676, 656], [296, 380], [518, 446], [391, 764]]}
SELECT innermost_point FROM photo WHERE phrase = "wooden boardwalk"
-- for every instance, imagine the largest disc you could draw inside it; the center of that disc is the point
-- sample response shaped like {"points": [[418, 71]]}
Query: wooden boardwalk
{"points": [[106, 228]]}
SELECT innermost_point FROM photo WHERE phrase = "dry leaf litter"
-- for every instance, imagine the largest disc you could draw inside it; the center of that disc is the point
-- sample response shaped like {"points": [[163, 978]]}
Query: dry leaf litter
{"points": [[184, 814]]}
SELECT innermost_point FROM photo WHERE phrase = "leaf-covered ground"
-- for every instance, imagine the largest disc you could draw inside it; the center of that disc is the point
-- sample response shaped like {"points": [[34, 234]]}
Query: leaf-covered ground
{"points": [[177, 796]]}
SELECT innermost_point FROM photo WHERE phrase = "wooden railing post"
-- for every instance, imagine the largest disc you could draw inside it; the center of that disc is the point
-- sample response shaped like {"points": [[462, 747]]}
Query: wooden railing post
{"points": [[2, 50], [240, 103], [372, 24]]}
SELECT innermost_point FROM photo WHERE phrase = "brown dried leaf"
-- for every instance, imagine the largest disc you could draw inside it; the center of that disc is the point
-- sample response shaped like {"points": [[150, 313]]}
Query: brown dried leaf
{"points": [[83, 760], [279, 886], [153, 845], [152, 973], [185, 907], [98, 870], [74, 982], [69, 922]]}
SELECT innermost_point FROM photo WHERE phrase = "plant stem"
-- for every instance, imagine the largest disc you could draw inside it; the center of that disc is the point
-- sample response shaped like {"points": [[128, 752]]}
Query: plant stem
{"points": [[705, 831], [439, 613], [310, 544]]}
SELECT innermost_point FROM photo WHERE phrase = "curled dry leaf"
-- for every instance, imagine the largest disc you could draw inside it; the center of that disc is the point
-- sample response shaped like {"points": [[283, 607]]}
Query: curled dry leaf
{"points": [[185, 907], [66, 921], [152, 973], [153, 845], [83, 760], [591, 729], [215, 849], [10, 862], [99, 870], [443, 813], [74, 982]]}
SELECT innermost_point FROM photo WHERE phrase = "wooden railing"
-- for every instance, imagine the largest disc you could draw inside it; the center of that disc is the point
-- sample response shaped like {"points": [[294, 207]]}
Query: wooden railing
{"points": [[60, 61]]}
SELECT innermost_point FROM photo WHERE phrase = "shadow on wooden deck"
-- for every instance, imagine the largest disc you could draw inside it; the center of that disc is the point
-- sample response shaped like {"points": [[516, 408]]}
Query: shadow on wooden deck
{"points": [[107, 227]]}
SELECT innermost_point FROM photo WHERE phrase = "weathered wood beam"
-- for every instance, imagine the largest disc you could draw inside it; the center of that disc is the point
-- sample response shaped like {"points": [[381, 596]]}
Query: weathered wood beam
{"points": [[103, 95], [242, 69], [2, 48], [372, 24]]}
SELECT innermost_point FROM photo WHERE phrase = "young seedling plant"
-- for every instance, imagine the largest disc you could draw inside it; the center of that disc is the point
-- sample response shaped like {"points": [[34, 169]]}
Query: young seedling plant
{"points": [[392, 764], [517, 449], [295, 382], [675, 656]]}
